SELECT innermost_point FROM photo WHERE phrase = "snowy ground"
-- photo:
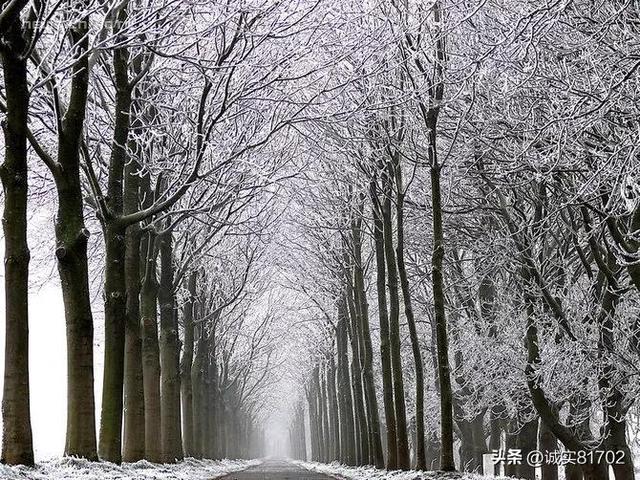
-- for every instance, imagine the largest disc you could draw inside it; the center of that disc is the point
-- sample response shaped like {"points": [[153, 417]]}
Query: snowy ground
{"points": [[370, 473], [76, 469]]}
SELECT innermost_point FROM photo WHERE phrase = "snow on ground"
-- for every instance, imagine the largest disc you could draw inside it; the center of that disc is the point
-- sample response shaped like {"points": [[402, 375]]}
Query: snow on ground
{"points": [[78, 469], [371, 473]]}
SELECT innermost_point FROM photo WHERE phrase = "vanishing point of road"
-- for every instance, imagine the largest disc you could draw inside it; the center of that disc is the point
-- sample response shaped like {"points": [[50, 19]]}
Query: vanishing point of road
{"points": [[276, 469]]}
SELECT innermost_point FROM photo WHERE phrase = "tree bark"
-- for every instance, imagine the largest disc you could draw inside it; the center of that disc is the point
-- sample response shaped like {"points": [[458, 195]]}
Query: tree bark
{"points": [[421, 462], [150, 352], [333, 411], [371, 400], [548, 443], [326, 421], [186, 384], [115, 283], [170, 417], [197, 398], [17, 443], [383, 315], [402, 440], [442, 344], [354, 446], [214, 400], [134, 434]]}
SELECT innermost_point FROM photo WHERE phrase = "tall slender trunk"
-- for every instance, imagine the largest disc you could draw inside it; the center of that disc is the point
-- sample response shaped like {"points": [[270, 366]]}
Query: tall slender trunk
{"points": [[303, 436], [17, 442], [353, 327], [186, 384], [114, 329], [313, 424], [548, 443], [326, 422], [351, 424], [404, 460], [134, 436], [442, 344], [333, 410], [196, 386], [170, 418], [213, 400], [385, 347], [421, 462], [150, 351], [371, 399], [114, 283], [206, 401]]}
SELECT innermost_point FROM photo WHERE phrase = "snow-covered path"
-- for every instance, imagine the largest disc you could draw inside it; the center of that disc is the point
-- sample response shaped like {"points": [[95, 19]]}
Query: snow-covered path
{"points": [[277, 469]]}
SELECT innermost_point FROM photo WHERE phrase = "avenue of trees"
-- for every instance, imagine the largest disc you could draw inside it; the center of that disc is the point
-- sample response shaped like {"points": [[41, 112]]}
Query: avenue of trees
{"points": [[468, 237], [423, 217], [151, 122]]}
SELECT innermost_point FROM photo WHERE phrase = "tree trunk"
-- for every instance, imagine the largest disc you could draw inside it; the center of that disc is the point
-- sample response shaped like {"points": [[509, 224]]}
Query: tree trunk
{"points": [[548, 443], [421, 462], [326, 421], [313, 424], [333, 411], [213, 399], [197, 399], [442, 344], [17, 443], [385, 347], [348, 422], [527, 442], [134, 435], [187, 359], [150, 353], [402, 440], [170, 418], [357, 443], [617, 442], [371, 400], [114, 329], [115, 284]]}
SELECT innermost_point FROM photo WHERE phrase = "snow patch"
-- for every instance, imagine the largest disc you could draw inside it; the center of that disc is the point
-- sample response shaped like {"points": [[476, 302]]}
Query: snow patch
{"points": [[69, 468], [344, 472]]}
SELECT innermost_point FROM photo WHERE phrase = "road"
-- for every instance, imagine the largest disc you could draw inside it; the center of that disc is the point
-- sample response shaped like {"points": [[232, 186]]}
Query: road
{"points": [[274, 469]]}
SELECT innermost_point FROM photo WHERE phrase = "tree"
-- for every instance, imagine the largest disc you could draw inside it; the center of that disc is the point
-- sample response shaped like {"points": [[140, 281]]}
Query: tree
{"points": [[17, 444]]}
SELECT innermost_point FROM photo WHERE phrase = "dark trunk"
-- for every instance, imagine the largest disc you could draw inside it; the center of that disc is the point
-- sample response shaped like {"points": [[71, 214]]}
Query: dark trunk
{"points": [[366, 352], [150, 352], [115, 284], [17, 443], [114, 331], [170, 418], [334, 421], [413, 333], [346, 401], [548, 443], [442, 344], [213, 399], [185, 370], [356, 430], [527, 441], [197, 399], [385, 347], [134, 436], [326, 421], [402, 440]]}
